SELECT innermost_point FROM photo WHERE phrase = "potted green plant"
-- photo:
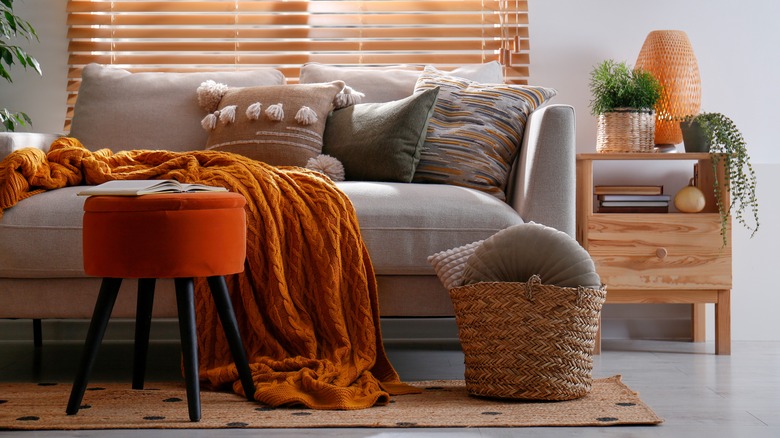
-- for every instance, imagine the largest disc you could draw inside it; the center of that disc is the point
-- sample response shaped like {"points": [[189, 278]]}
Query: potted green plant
{"points": [[717, 134], [13, 27], [624, 101]]}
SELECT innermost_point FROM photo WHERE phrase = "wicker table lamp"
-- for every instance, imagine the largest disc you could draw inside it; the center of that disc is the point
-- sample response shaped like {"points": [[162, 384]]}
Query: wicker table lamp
{"points": [[668, 55]]}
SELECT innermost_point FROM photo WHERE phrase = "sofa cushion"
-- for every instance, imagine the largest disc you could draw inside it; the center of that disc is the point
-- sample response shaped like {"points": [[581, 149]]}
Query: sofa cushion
{"points": [[380, 141], [40, 237], [475, 132], [120, 110], [401, 224], [279, 125], [404, 223], [387, 83]]}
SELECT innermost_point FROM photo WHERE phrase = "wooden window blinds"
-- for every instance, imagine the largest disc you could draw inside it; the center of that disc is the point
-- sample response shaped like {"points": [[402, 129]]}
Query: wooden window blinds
{"points": [[188, 35]]}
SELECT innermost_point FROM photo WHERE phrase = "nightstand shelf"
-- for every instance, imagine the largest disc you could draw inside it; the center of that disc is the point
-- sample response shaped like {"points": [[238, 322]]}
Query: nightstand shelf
{"points": [[660, 257]]}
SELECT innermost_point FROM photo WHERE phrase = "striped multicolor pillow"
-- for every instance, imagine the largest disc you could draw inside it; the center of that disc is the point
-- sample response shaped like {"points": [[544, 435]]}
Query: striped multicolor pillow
{"points": [[475, 132]]}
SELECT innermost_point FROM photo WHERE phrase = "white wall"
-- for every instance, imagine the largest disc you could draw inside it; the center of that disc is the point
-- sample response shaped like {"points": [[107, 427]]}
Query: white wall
{"points": [[737, 47], [736, 44]]}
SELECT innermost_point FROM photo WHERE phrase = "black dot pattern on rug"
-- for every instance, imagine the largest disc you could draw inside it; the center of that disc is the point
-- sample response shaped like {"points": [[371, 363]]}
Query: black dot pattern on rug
{"points": [[491, 413], [3, 401], [47, 384], [606, 419], [96, 388], [28, 418], [172, 400], [265, 409], [85, 406], [625, 404], [301, 414], [237, 424], [154, 418], [405, 424]]}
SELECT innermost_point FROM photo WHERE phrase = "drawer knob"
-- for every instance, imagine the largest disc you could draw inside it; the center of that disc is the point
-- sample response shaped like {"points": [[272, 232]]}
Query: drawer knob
{"points": [[661, 252]]}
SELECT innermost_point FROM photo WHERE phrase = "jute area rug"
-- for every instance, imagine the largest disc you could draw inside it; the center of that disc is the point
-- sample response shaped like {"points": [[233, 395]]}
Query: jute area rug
{"points": [[30, 406]]}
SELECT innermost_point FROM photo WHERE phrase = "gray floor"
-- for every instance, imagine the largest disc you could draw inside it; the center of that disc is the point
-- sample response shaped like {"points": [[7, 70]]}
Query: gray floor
{"points": [[697, 393]]}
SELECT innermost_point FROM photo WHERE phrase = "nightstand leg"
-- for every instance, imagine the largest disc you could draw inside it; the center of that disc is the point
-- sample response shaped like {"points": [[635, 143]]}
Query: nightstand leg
{"points": [[723, 323], [698, 322]]}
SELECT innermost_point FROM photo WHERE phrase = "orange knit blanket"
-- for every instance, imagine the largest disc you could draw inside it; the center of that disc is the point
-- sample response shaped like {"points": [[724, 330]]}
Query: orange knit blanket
{"points": [[306, 303]]}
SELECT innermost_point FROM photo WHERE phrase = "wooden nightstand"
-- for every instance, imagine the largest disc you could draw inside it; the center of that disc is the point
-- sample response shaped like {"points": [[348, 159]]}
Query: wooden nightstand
{"points": [[660, 257]]}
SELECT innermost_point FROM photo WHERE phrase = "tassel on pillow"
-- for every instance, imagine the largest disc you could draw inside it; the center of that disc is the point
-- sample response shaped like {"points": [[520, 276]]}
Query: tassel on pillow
{"points": [[325, 164], [275, 112], [348, 97], [228, 114], [254, 111], [210, 121], [306, 116]]}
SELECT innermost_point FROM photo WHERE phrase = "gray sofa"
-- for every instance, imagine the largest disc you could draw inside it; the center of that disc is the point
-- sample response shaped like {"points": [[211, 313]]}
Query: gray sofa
{"points": [[41, 273]]}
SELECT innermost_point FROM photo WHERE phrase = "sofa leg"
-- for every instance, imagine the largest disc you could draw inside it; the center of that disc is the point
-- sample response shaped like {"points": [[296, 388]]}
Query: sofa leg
{"points": [[37, 333]]}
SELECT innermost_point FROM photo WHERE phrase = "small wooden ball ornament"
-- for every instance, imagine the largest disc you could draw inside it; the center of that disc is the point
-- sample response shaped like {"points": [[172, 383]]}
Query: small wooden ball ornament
{"points": [[689, 199]]}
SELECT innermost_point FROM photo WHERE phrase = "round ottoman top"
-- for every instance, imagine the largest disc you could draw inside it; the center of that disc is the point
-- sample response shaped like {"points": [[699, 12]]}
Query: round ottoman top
{"points": [[165, 201], [170, 235]]}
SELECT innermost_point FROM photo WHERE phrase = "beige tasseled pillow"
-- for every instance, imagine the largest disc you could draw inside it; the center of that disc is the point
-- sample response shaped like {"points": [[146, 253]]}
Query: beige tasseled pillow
{"points": [[280, 125]]}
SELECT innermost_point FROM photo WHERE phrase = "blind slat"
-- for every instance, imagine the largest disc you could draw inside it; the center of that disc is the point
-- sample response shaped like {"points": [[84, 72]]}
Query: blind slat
{"points": [[233, 35]]}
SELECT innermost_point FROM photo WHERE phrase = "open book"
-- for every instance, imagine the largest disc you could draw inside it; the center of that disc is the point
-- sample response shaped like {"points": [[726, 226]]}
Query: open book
{"points": [[146, 187]]}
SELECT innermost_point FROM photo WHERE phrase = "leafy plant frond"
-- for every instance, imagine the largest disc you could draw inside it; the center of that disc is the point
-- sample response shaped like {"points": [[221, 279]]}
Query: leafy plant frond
{"points": [[616, 85], [14, 27]]}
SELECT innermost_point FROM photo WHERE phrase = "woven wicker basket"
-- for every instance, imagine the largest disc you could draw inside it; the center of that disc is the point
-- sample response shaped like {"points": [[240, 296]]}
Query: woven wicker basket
{"points": [[626, 130], [528, 340]]}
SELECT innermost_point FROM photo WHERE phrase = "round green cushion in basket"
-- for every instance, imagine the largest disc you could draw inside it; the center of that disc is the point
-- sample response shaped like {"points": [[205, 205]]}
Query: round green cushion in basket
{"points": [[519, 252]]}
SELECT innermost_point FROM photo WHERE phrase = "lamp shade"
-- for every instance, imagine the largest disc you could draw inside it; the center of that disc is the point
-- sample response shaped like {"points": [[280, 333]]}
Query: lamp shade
{"points": [[668, 55]]}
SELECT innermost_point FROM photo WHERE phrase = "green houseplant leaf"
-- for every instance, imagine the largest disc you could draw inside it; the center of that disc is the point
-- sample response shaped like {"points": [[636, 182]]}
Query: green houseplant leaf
{"points": [[13, 27], [616, 85], [727, 143]]}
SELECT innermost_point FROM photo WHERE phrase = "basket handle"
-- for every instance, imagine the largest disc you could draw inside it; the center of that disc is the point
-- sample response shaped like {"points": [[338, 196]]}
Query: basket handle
{"points": [[530, 285]]}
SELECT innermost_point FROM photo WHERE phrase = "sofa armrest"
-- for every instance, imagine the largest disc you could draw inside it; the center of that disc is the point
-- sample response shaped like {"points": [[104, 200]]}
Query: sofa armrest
{"points": [[542, 186], [11, 141]]}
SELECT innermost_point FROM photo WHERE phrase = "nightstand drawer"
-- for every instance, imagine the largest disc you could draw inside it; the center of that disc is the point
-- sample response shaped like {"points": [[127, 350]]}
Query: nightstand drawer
{"points": [[643, 251]]}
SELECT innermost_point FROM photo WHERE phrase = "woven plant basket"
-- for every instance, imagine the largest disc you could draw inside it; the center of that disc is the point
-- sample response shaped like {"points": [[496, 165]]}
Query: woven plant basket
{"points": [[528, 340], [626, 130]]}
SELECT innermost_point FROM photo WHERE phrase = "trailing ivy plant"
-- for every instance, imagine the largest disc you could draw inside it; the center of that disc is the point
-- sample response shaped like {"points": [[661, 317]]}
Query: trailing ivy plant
{"points": [[726, 143], [12, 28], [616, 85]]}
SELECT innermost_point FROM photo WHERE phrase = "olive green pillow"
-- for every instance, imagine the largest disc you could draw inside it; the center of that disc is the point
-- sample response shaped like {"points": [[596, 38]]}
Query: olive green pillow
{"points": [[380, 141]]}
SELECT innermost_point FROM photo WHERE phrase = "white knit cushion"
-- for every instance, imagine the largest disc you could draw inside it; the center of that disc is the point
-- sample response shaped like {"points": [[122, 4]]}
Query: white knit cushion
{"points": [[449, 264]]}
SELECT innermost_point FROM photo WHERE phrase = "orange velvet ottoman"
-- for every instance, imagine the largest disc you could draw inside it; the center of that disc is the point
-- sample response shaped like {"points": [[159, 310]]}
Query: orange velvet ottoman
{"points": [[178, 236]]}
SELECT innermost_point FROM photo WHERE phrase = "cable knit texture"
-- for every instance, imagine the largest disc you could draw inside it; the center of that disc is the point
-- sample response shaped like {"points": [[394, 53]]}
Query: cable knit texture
{"points": [[306, 303]]}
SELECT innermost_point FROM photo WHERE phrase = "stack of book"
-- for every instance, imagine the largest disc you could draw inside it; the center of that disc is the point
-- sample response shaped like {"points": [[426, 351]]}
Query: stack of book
{"points": [[631, 199]]}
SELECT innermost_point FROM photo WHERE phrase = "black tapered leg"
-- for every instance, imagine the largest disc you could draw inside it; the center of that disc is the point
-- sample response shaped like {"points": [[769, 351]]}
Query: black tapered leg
{"points": [[185, 301], [37, 333], [143, 324], [97, 328], [227, 317]]}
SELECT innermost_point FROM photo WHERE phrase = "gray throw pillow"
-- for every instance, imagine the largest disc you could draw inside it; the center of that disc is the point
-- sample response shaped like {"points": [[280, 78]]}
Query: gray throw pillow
{"points": [[380, 141], [521, 251], [388, 83], [120, 110]]}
